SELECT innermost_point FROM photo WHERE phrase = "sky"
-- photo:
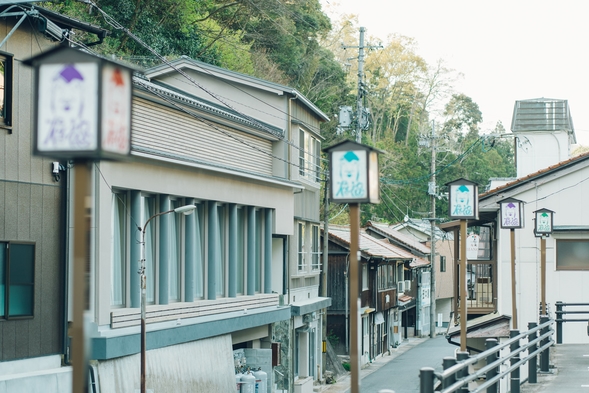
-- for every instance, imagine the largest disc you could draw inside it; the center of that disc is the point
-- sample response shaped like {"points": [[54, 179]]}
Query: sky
{"points": [[507, 50]]}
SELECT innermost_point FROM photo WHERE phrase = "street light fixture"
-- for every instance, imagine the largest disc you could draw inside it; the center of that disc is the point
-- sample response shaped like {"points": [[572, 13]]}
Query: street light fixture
{"points": [[186, 210]]}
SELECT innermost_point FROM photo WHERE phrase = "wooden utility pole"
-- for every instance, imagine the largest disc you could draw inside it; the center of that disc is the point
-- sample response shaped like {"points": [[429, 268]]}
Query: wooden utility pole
{"points": [[354, 297]]}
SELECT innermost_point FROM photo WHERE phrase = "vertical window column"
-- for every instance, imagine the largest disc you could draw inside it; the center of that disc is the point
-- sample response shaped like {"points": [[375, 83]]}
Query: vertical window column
{"points": [[268, 251], [119, 249], [190, 260], [135, 250], [251, 250], [164, 248], [213, 254], [233, 249]]}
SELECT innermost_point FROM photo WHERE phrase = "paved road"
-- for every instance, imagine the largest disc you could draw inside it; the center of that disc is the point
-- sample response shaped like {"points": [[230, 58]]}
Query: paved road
{"points": [[400, 370], [402, 373]]}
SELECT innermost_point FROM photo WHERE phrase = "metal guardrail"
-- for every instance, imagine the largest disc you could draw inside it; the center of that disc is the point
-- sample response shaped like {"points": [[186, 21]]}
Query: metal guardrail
{"points": [[456, 377], [561, 312]]}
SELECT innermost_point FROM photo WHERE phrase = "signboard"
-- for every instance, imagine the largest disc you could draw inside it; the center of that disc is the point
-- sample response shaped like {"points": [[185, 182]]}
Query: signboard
{"points": [[463, 199]]}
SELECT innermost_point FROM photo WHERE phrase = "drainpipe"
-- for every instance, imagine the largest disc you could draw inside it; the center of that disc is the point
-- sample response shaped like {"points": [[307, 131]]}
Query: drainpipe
{"points": [[65, 209]]}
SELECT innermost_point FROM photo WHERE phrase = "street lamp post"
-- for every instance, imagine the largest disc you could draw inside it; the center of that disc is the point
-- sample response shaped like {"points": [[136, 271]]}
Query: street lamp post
{"points": [[186, 210]]}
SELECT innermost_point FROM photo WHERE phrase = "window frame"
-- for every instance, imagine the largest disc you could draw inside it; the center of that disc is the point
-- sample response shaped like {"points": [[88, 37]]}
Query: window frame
{"points": [[559, 242], [301, 265], [315, 252], [7, 278], [442, 263], [8, 99]]}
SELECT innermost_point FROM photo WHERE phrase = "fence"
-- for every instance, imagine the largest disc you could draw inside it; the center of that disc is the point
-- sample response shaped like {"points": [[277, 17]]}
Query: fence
{"points": [[456, 376], [560, 312]]}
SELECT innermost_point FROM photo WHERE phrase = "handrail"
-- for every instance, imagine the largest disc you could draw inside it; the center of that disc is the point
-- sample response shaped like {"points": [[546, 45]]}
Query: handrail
{"points": [[455, 376], [561, 312]]}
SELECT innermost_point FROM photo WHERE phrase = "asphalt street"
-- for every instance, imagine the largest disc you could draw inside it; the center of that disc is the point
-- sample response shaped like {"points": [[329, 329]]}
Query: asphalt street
{"points": [[400, 370]]}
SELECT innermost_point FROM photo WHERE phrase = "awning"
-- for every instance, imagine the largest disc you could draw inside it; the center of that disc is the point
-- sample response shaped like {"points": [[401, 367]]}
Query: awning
{"points": [[308, 306], [366, 310]]}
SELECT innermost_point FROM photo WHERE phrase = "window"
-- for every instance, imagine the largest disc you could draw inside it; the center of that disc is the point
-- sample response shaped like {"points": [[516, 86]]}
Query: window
{"points": [[170, 241], [572, 254], [119, 249], [150, 243], [301, 249], [364, 277], [478, 243], [385, 277], [6, 67], [309, 156], [17, 279], [442, 263], [315, 254]]}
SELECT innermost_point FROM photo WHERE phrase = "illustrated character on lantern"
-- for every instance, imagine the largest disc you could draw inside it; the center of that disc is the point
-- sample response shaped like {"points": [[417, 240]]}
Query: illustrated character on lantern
{"points": [[67, 120], [349, 176], [462, 201], [511, 215]]}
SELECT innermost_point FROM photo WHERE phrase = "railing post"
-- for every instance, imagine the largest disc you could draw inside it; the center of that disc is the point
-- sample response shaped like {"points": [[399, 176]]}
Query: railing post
{"points": [[559, 313], [462, 374], [533, 361], [545, 354], [448, 362], [514, 347], [489, 344], [426, 380]]}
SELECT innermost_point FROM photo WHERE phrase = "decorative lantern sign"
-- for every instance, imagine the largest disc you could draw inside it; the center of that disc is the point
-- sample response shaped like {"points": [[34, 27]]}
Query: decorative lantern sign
{"points": [[543, 222], [83, 105], [463, 199], [353, 169], [512, 213]]}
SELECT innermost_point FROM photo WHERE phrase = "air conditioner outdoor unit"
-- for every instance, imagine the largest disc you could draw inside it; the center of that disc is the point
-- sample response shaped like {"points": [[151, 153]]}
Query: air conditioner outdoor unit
{"points": [[407, 285], [400, 287]]}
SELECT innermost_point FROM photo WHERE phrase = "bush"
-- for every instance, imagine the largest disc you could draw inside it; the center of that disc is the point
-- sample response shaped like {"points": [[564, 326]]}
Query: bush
{"points": [[346, 366]]}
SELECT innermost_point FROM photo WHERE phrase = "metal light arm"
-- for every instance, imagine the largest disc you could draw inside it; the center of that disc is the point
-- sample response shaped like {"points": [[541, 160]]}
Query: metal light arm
{"points": [[186, 210]]}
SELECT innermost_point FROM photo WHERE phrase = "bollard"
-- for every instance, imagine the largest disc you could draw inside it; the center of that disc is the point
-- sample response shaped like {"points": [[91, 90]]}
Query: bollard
{"points": [[559, 322], [448, 362], [532, 362], [426, 380], [545, 354], [514, 347], [489, 344], [462, 374]]}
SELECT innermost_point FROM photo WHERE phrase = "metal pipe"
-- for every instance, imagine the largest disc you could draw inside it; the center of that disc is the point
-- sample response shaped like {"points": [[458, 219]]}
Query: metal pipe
{"points": [[426, 380], [559, 321], [515, 375], [545, 355], [532, 365], [448, 362], [463, 373], [491, 358]]}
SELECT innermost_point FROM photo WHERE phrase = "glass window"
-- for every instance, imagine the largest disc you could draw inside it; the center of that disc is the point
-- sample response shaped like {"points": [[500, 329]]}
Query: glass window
{"points": [[6, 66], [315, 255], [442, 263], [150, 243], [302, 153], [220, 268], [259, 243], [199, 264], [572, 254], [119, 249], [301, 249], [175, 252], [240, 250], [17, 279], [364, 277]]}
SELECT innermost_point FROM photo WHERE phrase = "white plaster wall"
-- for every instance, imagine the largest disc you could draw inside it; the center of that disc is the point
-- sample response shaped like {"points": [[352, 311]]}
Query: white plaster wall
{"points": [[564, 195], [537, 150]]}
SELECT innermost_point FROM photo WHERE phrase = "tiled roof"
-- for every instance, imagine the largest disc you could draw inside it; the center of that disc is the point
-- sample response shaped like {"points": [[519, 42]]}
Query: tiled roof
{"points": [[388, 231], [372, 247], [532, 176]]}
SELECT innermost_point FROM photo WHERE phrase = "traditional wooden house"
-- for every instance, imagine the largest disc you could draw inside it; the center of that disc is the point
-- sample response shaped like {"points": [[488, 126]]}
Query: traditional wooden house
{"points": [[388, 290]]}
